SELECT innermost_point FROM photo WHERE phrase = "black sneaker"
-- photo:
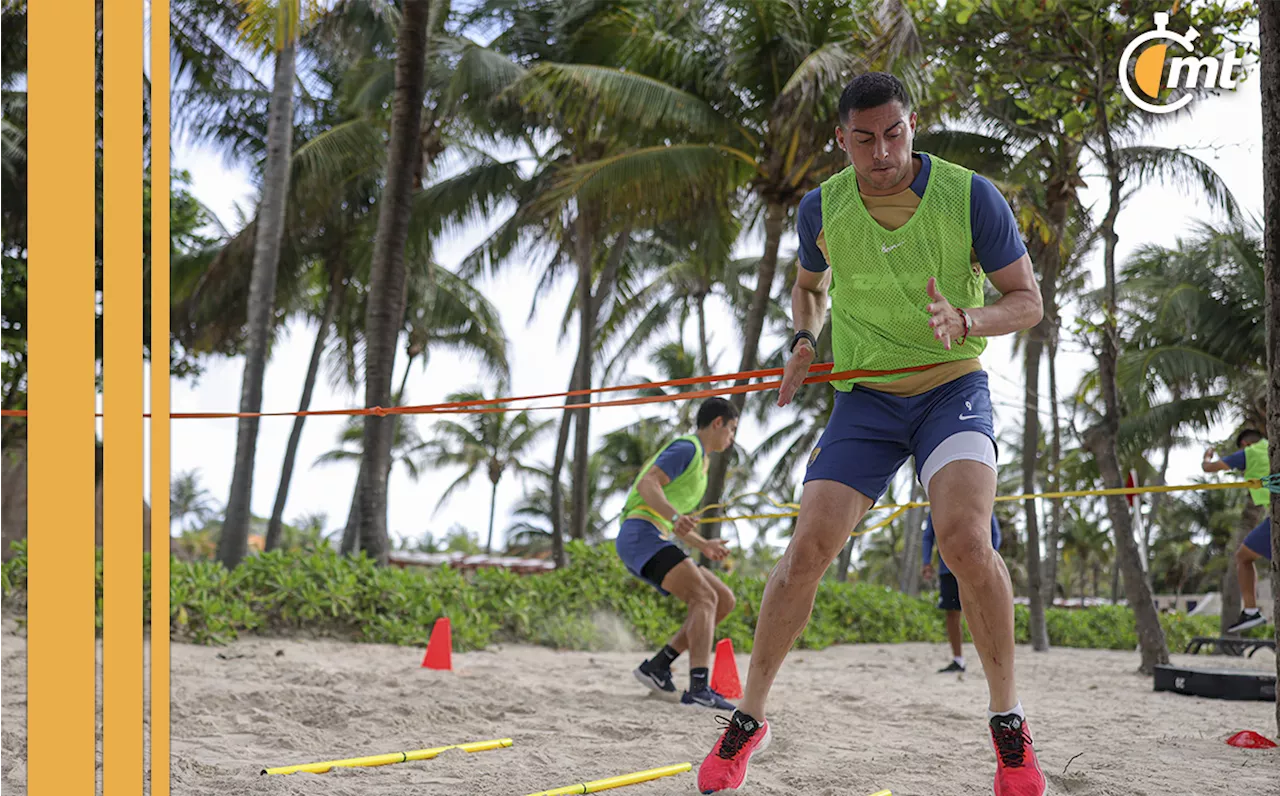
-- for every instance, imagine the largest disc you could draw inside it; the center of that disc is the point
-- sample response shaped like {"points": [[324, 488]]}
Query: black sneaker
{"points": [[1248, 619], [706, 698], [659, 681], [954, 666]]}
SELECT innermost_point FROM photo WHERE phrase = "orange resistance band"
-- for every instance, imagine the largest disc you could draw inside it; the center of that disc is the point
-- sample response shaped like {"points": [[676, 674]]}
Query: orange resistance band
{"points": [[491, 405]]}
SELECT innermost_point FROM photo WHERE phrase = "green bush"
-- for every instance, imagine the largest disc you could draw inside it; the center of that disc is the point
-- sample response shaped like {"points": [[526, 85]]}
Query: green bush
{"points": [[591, 604]]}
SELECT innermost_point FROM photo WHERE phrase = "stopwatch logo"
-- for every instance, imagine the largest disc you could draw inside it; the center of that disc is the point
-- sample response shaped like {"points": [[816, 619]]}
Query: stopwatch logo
{"points": [[1149, 68]]}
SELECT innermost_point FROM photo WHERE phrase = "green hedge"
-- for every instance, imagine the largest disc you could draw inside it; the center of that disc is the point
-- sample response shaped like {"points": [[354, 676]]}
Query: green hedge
{"points": [[591, 604]]}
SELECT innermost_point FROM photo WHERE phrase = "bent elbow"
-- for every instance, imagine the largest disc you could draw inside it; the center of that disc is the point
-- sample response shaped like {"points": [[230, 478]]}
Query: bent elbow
{"points": [[1036, 312]]}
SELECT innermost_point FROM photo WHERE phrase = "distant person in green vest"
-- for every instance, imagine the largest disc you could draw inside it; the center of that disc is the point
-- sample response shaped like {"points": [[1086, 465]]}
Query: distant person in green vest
{"points": [[1253, 460], [670, 486]]}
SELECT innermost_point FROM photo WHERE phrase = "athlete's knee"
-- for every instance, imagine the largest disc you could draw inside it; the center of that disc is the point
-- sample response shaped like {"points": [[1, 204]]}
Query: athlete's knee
{"points": [[806, 559], [967, 553], [725, 603], [1245, 556], [703, 597]]}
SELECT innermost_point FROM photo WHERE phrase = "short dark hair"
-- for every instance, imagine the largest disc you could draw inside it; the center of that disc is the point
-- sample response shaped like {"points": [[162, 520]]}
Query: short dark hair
{"points": [[713, 408], [1247, 437], [872, 90]]}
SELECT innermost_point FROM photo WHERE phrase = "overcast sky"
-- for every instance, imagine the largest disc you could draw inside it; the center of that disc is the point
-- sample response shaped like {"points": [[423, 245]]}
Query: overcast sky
{"points": [[1225, 131]]}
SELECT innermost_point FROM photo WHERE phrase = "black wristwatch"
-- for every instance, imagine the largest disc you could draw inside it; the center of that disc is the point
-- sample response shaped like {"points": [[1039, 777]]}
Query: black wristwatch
{"points": [[803, 334]]}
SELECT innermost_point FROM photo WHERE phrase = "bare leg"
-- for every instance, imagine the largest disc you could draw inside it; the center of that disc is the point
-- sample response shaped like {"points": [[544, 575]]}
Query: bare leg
{"points": [[725, 602], [828, 513], [1247, 576], [955, 634], [962, 494], [686, 582]]}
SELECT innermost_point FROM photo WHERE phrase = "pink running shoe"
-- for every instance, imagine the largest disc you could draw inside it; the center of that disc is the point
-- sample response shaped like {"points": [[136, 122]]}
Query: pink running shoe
{"points": [[1017, 769], [726, 767]]}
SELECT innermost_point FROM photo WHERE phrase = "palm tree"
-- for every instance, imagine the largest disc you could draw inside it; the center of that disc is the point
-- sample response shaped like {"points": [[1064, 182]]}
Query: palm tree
{"points": [[751, 88], [387, 272], [493, 441], [406, 450], [532, 529], [190, 504], [277, 25], [677, 269], [1085, 549]]}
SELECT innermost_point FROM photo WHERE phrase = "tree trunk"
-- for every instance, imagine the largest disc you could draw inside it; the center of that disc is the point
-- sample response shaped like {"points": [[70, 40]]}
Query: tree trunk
{"points": [[589, 303], [1030, 450], [387, 270], [557, 498], [580, 508], [493, 504], [1060, 196], [702, 334], [234, 539], [1249, 519], [1050, 583], [775, 216], [351, 533], [1269, 36], [332, 305], [1115, 580], [913, 542], [1151, 640]]}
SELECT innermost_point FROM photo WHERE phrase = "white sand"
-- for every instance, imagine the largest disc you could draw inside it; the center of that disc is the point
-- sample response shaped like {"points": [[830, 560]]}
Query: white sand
{"points": [[848, 720]]}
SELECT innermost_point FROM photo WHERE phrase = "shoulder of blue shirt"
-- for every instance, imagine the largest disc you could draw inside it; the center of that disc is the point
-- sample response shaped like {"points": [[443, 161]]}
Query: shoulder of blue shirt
{"points": [[989, 217], [675, 458]]}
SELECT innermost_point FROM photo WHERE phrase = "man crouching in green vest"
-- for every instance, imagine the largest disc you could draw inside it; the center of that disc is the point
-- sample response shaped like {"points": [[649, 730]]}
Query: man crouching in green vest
{"points": [[669, 486], [1251, 459]]}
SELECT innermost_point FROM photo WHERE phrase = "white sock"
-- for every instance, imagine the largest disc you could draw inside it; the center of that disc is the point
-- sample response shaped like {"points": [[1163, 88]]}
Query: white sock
{"points": [[1015, 711], [1253, 610], [959, 659]]}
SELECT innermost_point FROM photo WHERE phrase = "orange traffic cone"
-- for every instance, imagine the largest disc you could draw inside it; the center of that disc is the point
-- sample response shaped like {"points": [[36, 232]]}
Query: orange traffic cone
{"points": [[440, 647], [724, 672]]}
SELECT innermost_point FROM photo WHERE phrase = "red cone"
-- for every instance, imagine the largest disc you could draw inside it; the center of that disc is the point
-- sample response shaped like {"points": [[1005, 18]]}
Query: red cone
{"points": [[1248, 739], [724, 673], [440, 647]]}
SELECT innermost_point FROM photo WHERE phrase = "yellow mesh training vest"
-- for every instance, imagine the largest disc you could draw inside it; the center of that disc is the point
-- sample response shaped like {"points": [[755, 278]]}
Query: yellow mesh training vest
{"points": [[879, 277]]}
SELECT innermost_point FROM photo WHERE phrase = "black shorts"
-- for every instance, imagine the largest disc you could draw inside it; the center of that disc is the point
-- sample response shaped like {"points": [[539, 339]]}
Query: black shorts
{"points": [[949, 592], [662, 562]]}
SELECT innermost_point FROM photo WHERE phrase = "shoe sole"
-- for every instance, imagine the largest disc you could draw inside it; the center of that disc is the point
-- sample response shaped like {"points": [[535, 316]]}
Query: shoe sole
{"points": [[647, 683], [760, 747], [1252, 623]]}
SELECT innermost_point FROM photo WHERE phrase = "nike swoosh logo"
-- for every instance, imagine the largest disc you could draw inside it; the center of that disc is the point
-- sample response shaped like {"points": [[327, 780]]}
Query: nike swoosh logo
{"points": [[887, 249], [968, 417]]}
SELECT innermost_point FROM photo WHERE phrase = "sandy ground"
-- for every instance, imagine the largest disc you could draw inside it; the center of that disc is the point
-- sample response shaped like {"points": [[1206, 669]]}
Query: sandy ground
{"points": [[848, 720]]}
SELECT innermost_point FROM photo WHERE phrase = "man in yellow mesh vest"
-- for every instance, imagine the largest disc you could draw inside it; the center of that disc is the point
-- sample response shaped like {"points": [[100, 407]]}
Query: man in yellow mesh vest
{"points": [[1252, 459], [667, 489], [902, 242]]}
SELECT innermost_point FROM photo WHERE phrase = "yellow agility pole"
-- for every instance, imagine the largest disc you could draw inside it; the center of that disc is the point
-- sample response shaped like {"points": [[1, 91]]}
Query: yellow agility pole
{"points": [[882, 793], [387, 759], [617, 782]]}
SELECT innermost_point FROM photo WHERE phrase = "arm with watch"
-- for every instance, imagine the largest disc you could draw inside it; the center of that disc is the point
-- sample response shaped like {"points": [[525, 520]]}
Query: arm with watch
{"points": [[650, 488]]}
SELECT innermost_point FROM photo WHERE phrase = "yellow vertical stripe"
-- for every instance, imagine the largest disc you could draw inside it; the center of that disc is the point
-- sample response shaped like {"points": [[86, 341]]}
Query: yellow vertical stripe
{"points": [[60, 374], [159, 397], [122, 678]]}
